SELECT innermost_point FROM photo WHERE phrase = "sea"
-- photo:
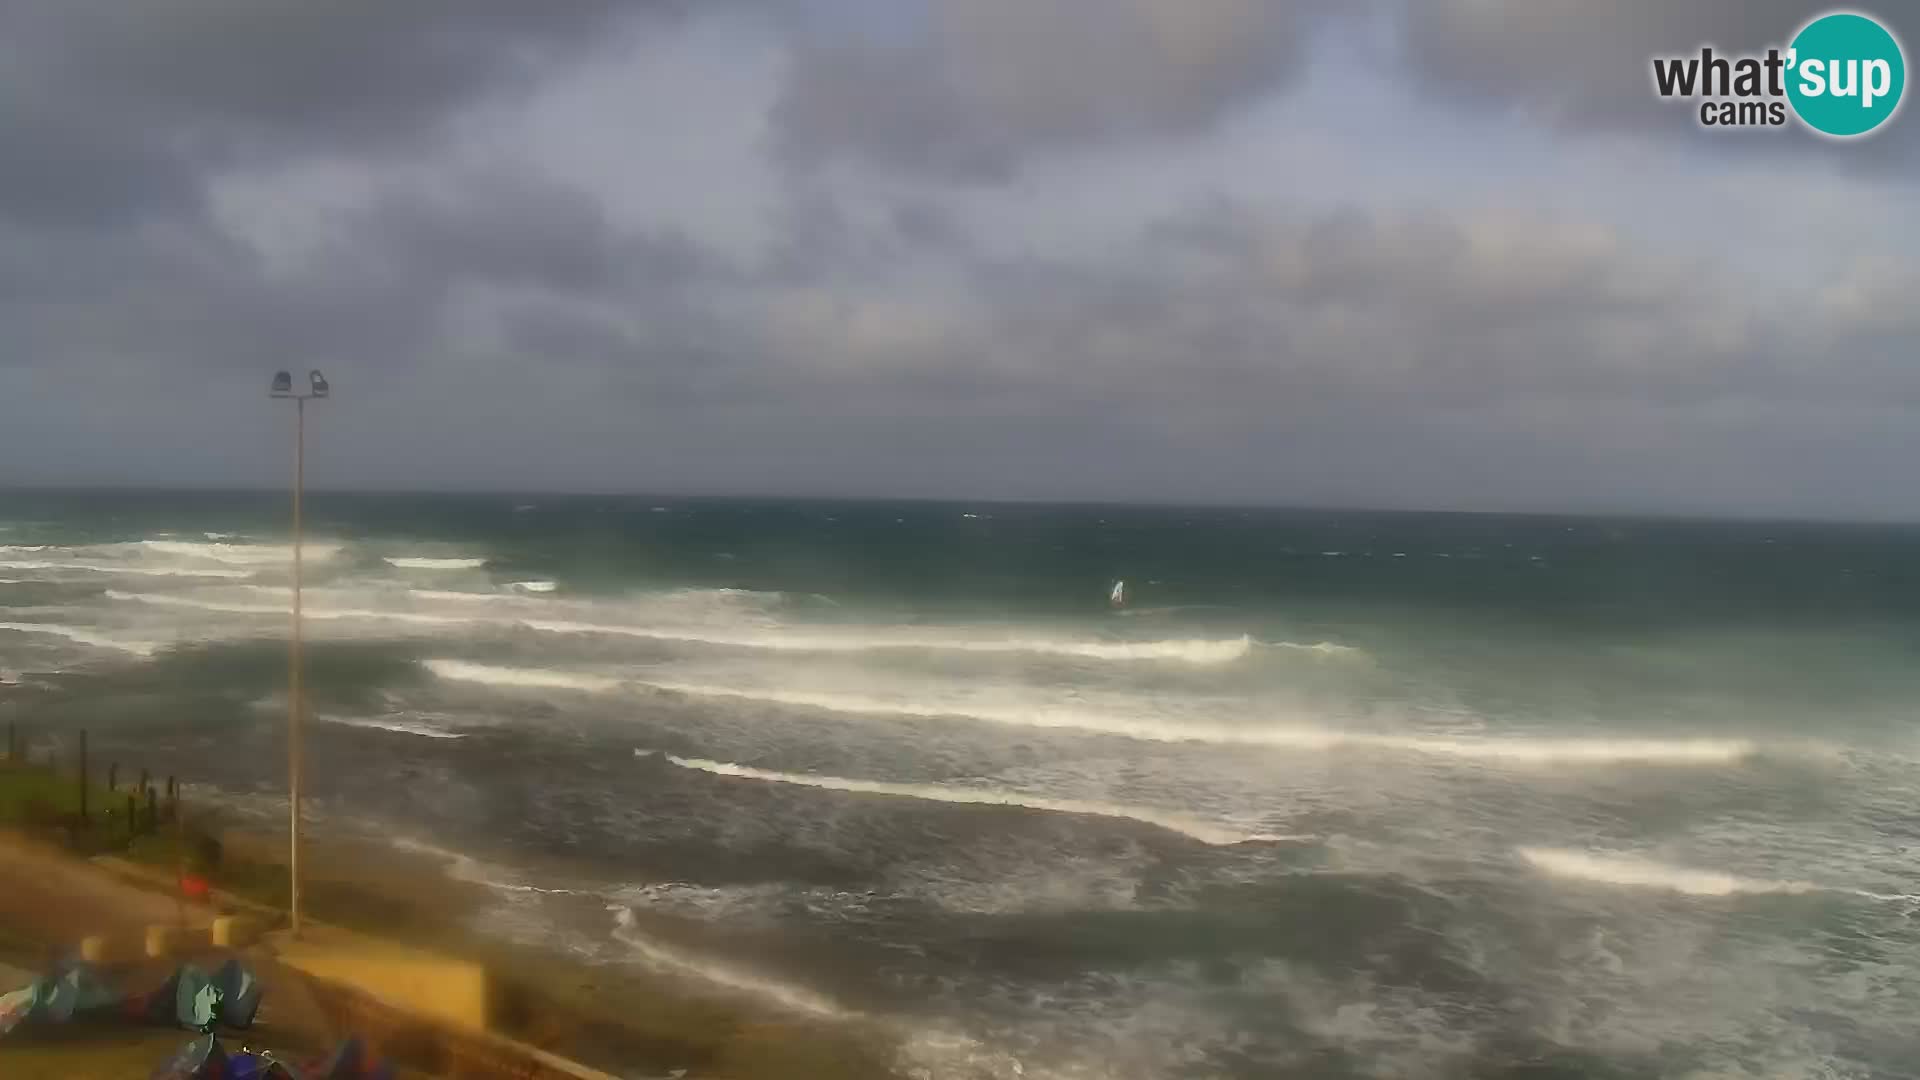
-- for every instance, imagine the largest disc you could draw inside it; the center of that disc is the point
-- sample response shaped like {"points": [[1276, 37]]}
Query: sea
{"points": [[1330, 794]]}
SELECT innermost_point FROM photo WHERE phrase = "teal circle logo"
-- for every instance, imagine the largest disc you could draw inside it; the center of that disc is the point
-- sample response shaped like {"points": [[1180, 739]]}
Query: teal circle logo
{"points": [[1845, 74]]}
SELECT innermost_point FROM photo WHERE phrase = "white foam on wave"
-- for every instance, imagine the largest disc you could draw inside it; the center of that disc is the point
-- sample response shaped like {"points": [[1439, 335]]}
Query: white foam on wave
{"points": [[528, 677], [1189, 651], [83, 637], [1633, 871], [412, 563], [1512, 750], [471, 870], [533, 586], [403, 727], [1509, 750], [1323, 648], [419, 617], [668, 958], [1198, 830], [114, 568], [242, 554], [462, 597], [1195, 651]]}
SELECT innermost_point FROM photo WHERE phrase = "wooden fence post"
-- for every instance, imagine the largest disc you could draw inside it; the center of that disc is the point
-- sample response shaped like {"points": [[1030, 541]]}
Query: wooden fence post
{"points": [[133, 817], [113, 775]]}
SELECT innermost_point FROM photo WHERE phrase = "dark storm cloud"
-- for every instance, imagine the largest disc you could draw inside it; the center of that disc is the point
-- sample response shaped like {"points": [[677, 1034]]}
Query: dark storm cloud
{"points": [[109, 110], [988, 82], [496, 321], [376, 289]]}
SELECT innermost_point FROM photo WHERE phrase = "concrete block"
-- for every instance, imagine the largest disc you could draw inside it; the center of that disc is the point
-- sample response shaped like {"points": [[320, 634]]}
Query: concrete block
{"points": [[441, 987], [100, 949], [235, 931], [163, 941]]}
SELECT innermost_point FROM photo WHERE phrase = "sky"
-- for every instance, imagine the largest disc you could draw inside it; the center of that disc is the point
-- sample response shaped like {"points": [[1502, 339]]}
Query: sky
{"points": [[1423, 254]]}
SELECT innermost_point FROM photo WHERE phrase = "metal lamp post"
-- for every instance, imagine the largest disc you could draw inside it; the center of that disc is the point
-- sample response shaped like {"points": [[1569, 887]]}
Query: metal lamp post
{"points": [[283, 388]]}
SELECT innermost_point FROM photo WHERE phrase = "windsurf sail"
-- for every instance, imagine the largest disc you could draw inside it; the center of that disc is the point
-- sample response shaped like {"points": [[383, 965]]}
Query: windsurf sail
{"points": [[1118, 596]]}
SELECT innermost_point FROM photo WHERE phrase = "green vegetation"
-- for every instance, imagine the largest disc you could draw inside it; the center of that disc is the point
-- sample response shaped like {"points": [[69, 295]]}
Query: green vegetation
{"points": [[45, 800]]}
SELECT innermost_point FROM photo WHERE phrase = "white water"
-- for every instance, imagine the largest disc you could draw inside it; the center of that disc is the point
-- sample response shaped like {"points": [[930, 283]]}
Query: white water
{"points": [[83, 637], [1511, 750], [1636, 872], [114, 568], [1202, 831], [525, 677], [1192, 651], [471, 870], [403, 727], [243, 554], [1189, 651], [667, 958], [1524, 751], [409, 563], [1631, 871], [463, 597]]}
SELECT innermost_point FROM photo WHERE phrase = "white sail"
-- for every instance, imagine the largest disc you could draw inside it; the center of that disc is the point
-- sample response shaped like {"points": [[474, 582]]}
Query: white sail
{"points": [[1119, 594]]}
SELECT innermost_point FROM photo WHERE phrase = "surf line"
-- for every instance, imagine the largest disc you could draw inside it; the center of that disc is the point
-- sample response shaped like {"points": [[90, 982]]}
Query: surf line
{"points": [[1204, 832]]}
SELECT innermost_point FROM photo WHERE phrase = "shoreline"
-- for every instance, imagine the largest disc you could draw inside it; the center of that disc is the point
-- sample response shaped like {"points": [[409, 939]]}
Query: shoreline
{"points": [[618, 1017], [622, 1018]]}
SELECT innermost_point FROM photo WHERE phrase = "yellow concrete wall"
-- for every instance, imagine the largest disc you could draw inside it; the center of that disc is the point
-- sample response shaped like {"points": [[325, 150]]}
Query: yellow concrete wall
{"points": [[437, 986]]}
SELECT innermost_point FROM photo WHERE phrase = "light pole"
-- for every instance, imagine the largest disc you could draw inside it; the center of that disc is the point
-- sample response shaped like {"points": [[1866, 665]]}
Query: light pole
{"points": [[283, 388]]}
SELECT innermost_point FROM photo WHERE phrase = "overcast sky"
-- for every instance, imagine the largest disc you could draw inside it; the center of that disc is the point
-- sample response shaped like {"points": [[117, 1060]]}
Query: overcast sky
{"points": [[1401, 253]]}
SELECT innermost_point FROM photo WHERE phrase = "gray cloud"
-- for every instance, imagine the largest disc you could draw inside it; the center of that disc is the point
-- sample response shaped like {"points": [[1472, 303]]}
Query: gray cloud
{"points": [[489, 322], [108, 111], [990, 81]]}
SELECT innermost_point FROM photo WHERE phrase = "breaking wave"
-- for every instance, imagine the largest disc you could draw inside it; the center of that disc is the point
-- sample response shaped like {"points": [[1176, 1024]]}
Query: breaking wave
{"points": [[528, 677], [243, 554], [1515, 750], [667, 958], [419, 617], [83, 637], [403, 727], [463, 597], [113, 568], [1632, 871], [471, 870], [1191, 651], [1523, 751], [1198, 830], [409, 563]]}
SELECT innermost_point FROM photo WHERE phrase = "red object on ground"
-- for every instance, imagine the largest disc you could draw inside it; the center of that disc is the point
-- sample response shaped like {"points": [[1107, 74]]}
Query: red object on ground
{"points": [[193, 886]]}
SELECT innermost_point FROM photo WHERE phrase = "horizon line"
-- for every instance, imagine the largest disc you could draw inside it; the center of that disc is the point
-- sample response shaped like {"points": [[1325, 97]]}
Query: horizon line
{"points": [[1301, 507]]}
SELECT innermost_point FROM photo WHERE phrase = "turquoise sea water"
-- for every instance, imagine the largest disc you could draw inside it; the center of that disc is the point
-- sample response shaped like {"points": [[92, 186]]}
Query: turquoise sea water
{"points": [[1334, 794]]}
